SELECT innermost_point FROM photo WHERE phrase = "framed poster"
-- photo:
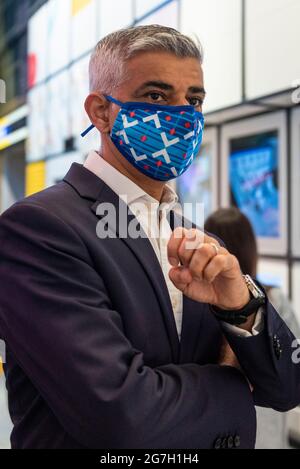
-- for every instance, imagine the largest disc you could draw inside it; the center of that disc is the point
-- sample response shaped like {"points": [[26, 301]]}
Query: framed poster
{"points": [[254, 177]]}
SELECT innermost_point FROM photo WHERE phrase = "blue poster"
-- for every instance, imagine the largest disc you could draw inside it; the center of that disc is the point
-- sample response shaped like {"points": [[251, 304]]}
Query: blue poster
{"points": [[254, 182]]}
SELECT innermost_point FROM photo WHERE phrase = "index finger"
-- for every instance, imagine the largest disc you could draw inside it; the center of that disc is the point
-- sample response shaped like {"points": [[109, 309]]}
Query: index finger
{"points": [[174, 244], [192, 239]]}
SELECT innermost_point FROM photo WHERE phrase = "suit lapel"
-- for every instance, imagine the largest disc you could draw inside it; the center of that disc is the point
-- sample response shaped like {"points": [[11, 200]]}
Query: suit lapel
{"points": [[141, 247], [89, 186]]}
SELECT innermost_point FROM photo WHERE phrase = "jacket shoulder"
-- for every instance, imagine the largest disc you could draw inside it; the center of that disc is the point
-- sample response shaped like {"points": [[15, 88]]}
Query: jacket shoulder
{"points": [[55, 200]]}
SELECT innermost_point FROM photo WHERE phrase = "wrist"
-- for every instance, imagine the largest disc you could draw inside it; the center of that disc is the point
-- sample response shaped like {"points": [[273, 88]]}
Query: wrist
{"points": [[243, 302], [245, 316]]}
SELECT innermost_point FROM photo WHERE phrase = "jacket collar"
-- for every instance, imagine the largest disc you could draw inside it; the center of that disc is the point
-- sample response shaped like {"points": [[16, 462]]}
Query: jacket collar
{"points": [[85, 183]]}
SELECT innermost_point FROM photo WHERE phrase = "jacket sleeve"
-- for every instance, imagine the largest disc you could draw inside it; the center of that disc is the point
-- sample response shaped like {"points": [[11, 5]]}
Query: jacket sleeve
{"points": [[271, 362], [57, 320]]}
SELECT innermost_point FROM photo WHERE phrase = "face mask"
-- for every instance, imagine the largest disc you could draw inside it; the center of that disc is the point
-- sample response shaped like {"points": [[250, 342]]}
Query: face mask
{"points": [[160, 141]]}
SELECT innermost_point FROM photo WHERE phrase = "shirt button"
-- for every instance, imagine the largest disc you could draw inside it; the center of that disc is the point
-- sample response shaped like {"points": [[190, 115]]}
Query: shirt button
{"points": [[230, 442], [218, 443], [237, 441]]}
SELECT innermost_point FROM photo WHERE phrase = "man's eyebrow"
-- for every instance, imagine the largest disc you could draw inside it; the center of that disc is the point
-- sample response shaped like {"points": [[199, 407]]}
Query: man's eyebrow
{"points": [[167, 87], [155, 84], [197, 89]]}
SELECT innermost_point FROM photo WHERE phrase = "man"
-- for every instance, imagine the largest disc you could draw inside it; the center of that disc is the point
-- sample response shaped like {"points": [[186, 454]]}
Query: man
{"points": [[113, 340]]}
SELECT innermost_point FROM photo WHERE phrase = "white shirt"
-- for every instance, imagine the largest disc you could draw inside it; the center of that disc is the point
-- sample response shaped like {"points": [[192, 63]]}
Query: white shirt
{"points": [[152, 217]]}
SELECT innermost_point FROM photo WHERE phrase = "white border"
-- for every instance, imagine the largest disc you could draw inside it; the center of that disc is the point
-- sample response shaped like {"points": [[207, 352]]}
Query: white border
{"points": [[296, 289], [247, 128], [296, 183]]}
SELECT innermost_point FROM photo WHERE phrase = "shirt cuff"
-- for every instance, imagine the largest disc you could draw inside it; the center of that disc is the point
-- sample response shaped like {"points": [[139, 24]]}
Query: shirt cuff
{"points": [[256, 329]]}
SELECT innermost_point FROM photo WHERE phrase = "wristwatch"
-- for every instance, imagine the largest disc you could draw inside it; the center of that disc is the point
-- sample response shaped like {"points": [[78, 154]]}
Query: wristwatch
{"points": [[239, 317]]}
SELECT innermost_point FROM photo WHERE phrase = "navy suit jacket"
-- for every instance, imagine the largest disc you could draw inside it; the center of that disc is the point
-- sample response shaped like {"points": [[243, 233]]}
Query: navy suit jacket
{"points": [[93, 355]]}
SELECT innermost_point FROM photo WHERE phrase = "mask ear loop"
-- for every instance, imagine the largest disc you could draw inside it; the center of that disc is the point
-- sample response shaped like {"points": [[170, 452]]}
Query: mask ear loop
{"points": [[113, 100], [91, 127], [87, 131]]}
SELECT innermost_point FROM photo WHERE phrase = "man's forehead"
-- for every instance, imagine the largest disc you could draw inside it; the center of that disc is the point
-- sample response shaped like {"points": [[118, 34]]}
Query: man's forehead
{"points": [[165, 70]]}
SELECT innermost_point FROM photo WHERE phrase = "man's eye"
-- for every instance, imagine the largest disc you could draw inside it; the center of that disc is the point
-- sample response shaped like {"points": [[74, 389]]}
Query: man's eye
{"points": [[196, 102], [155, 97]]}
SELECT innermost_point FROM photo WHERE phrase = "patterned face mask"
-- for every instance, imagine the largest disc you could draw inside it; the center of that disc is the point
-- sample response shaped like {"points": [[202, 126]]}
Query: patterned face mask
{"points": [[160, 141]]}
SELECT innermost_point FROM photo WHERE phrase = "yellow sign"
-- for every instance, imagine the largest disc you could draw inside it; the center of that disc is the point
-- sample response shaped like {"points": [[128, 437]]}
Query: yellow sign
{"points": [[78, 5], [5, 143], [1, 368], [3, 121], [35, 177]]}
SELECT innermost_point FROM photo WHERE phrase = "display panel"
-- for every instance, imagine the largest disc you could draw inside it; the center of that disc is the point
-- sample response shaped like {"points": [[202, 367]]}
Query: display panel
{"points": [[166, 16], [59, 29], [142, 7], [37, 123], [296, 181], [38, 37], [57, 168], [274, 274], [83, 27], [218, 25], [113, 15], [79, 118], [254, 181], [272, 38], [254, 177], [199, 183], [58, 115]]}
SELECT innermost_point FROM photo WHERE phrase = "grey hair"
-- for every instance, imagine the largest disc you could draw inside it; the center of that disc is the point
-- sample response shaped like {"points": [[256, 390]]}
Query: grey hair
{"points": [[108, 60]]}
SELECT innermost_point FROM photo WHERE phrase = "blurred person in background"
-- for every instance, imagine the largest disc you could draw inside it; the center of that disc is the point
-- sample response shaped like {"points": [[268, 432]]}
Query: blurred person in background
{"points": [[235, 229]]}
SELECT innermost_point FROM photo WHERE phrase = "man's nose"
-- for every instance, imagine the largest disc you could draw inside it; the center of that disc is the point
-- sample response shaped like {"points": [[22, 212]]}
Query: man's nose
{"points": [[180, 101]]}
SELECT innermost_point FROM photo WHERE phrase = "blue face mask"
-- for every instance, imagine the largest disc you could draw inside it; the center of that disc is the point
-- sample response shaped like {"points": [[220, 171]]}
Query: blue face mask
{"points": [[160, 141]]}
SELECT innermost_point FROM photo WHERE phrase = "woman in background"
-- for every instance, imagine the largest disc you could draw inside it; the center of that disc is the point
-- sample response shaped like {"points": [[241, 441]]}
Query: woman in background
{"points": [[234, 228]]}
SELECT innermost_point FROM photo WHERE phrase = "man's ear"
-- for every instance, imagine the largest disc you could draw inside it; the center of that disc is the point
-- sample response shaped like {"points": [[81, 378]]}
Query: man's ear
{"points": [[97, 108]]}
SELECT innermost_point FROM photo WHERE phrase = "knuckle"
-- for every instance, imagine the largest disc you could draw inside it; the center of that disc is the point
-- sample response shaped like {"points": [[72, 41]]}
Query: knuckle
{"points": [[234, 261], [179, 233], [206, 250], [183, 252], [220, 261], [196, 265]]}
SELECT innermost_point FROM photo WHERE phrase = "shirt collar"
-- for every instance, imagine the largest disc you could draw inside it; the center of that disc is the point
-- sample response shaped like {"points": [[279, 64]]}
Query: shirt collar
{"points": [[126, 189]]}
